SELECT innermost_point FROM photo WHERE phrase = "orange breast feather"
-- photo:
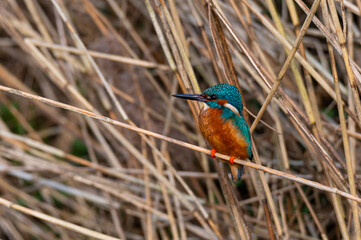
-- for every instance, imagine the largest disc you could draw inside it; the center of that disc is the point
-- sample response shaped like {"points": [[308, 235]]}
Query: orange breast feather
{"points": [[221, 134]]}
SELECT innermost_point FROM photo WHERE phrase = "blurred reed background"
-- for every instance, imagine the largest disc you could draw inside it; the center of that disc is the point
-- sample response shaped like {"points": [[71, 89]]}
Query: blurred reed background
{"points": [[93, 146]]}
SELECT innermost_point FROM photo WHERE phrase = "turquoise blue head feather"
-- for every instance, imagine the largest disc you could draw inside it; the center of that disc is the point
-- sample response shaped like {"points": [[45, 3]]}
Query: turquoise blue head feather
{"points": [[213, 95], [224, 92]]}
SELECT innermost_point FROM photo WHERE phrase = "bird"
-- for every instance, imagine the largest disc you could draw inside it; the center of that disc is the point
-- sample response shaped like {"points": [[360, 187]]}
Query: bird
{"points": [[222, 124]]}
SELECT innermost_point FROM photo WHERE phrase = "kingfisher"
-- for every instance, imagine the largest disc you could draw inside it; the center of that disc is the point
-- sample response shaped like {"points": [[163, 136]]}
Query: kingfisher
{"points": [[222, 124]]}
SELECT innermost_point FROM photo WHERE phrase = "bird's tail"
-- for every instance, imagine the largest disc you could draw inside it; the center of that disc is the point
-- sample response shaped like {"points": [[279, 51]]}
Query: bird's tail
{"points": [[236, 171]]}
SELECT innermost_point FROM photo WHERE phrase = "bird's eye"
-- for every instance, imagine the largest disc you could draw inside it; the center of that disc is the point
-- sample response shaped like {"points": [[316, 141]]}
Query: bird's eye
{"points": [[210, 97], [213, 97]]}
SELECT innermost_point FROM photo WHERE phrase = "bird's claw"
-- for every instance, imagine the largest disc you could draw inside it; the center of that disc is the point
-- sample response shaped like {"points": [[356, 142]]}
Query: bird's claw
{"points": [[231, 159], [213, 153]]}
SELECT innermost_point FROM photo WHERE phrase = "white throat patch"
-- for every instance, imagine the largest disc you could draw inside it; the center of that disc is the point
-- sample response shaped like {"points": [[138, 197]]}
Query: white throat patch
{"points": [[232, 108], [205, 106]]}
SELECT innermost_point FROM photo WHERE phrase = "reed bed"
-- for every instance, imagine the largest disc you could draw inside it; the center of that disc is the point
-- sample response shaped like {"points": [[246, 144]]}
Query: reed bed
{"points": [[93, 146]]}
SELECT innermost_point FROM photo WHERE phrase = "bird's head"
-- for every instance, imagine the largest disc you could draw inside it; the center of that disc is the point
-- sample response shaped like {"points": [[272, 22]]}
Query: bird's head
{"points": [[218, 96]]}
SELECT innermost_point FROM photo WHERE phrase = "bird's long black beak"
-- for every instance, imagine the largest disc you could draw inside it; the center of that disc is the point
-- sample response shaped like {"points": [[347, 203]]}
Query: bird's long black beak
{"points": [[194, 97]]}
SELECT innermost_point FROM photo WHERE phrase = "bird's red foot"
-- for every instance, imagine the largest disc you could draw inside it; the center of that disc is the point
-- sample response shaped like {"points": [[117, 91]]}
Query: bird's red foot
{"points": [[213, 153], [231, 159]]}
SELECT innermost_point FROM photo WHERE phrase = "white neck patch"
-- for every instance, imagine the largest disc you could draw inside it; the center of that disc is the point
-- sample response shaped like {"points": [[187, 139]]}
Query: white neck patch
{"points": [[232, 108], [205, 106]]}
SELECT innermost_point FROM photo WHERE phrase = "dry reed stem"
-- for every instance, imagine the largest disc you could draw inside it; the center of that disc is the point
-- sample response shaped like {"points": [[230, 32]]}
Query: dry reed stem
{"points": [[265, 186], [290, 56], [342, 42], [117, 104], [81, 45], [56, 221], [350, 171], [184, 144], [96, 54], [140, 186], [299, 125], [225, 56]]}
